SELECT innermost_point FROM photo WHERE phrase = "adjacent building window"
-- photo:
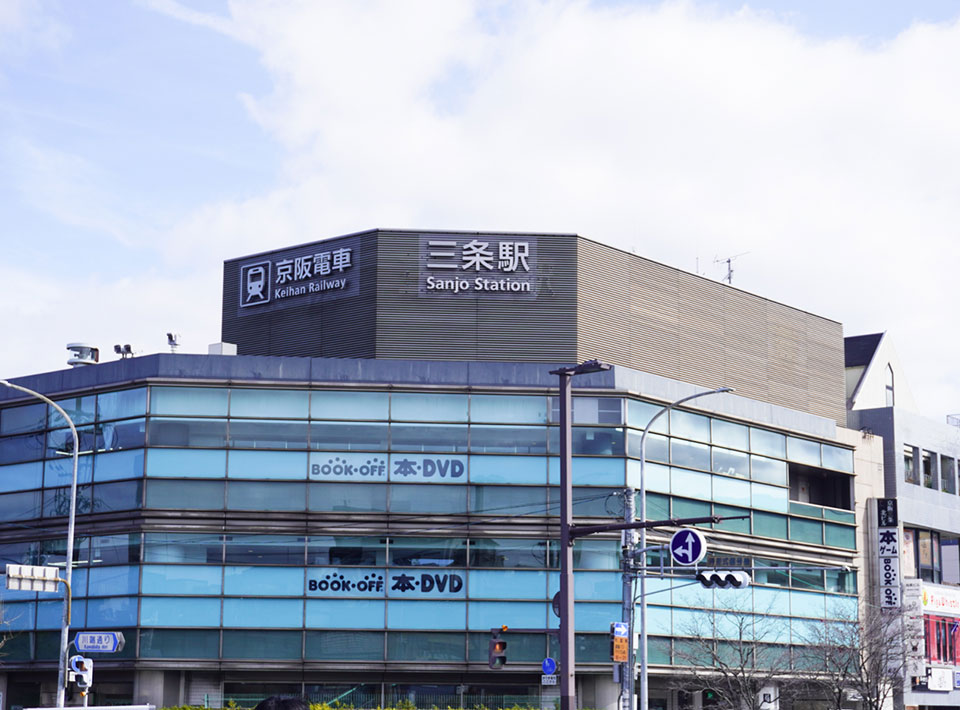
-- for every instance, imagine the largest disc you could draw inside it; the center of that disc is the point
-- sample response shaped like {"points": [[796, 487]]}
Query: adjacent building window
{"points": [[910, 474], [889, 386], [948, 474], [929, 476]]}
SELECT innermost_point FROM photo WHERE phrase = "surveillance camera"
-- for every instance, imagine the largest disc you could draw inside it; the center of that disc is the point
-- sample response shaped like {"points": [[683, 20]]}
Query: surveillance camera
{"points": [[117, 349]]}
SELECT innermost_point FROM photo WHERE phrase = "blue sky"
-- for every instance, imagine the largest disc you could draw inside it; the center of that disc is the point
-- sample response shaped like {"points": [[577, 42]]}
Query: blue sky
{"points": [[143, 143]]}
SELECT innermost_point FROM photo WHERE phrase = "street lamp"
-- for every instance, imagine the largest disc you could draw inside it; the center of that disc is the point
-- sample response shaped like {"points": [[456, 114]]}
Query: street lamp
{"points": [[68, 572], [644, 687], [567, 677]]}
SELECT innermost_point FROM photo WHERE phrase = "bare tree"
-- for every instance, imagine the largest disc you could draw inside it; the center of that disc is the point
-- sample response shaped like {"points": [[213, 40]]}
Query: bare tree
{"points": [[865, 656], [734, 657]]}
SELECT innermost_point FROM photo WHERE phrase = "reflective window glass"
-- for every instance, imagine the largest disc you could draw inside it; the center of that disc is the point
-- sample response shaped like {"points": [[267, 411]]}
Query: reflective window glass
{"points": [[691, 484], [111, 612], [345, 613], [82, 410], [508, 500], [840, 536], [118, 465], [26, 447], [19, 553], [770, 497], [115, 549], [261, 581], [275, 404], [19, 616], [686, 508], [60, 442], [725, 433], [658, 506], [113, 580], [186, 463], [426, 646], [128, 434], [428, 437], [183, 495], [595, 442], [372, 406], [19, 420], [591, 410], [267, 464], [194, 433], [254, 613], [427, 552], [208, 401], [343, 550], [427, 498], [837, 458], [842, 581], [508, 469], [589, 502], [508, 553], [345, 645], [657, 447], [202, 548], [740, 525], [804, 530], [56, 502], [657, 476], [180, 611], [410, 407], [508, 409], [639, 415], [689, 455], [179, 643], [688, 425], [21, 476], [270, 495], [803, 578], [768, 443], [732, 463], [274, 434], [350, 497], [768, 470], [348, 437], [122, 404], [730, 490], [53, 552], [596, 554], [121, 495], [803, 451], [264, 549], [445, 615], [50, 614], [273, 645], [773, 572], [769, 525], [508, 439]]}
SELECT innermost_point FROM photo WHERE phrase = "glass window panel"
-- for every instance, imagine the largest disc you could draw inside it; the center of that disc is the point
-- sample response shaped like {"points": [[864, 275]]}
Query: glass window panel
{"points": [[111, 612], [348, 437], [274, 581], [122, 495], [273, 434], [801, 578], [431, 614], [508, 469], [19, 420], [59, 472], [115, 549], [725, 433], [119, 465], [508, 439], [731, 490], [425, 646], [741, 525], [657, 476], [639, 415], [840, 536], [589, 502], [19, 553], [508, 409], [842, 581], [107, 581], [804, 530], [25, 447], [209, 401], [122, 404], [837, 458], [82, 410], [658, 507], [770, 497], [18, 647], [345, 613], [60, 442], [508, 500], [595, 442], [179, 611], [50, 614], [411, 407], [523, 648], [691, 483], [182, 495], [179, 643], [803, 451], [657, 447], [372, 406], [274, 465], [428, 437], [358, 497], [56, 502], [428, 552], [344, 645], [264, 549], [21, 476], [19, 616], [508, 553], [186, 463], [182, 579], [485, 615], [807, 604], [256, 645], [590, 410], [769, 525], [732, 463], [427, 498], [589, 471], [690, 455], [768, 443], [203, 548], [689, 426], [774, 572], [686, 508], [53, 552], [114, 436], [340, 550], [275, 404], [768, 470], [596, 554], [271, 495], [194, 433]]}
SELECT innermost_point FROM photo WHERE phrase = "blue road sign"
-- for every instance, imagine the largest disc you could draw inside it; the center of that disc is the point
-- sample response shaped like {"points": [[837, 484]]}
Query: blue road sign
{"points": [[549, 666], [619, 628], [99, 641], [687, 547]]}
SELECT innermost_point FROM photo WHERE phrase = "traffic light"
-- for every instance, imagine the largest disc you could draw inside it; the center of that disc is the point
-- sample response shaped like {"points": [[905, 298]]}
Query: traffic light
{"points": [[723, 579], [497, 657], [82, 673]]}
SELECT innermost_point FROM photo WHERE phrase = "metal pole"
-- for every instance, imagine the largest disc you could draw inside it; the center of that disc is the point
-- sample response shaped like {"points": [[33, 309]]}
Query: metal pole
{"points": [[629, 537], [568, 700], [644, 686], [71, 524]]}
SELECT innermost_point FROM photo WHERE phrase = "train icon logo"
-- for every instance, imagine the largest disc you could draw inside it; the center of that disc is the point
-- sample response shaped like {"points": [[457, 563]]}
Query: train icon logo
{"points": [[255, 284]]}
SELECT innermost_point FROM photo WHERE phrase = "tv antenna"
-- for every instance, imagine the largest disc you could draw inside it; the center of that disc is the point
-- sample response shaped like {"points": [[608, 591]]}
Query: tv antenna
{"points": [[729, 262]]}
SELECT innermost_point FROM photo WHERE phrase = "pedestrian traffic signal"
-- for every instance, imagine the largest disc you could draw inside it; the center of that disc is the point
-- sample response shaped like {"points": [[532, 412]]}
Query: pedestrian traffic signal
{"points": [[497, 658], [82, 673], [723, 579]]}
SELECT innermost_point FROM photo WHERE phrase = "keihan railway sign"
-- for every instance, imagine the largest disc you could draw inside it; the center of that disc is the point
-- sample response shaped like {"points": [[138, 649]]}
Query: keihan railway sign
{"points": [[482, 266]]}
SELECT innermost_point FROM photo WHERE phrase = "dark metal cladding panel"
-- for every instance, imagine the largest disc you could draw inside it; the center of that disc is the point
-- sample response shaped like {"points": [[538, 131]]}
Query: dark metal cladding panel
{"points": [[340, 327], [416, 325], [638, 313]]}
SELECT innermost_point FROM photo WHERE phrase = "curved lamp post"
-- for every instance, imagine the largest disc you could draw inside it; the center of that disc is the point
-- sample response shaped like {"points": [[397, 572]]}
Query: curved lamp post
{"points": [[68, 572]]}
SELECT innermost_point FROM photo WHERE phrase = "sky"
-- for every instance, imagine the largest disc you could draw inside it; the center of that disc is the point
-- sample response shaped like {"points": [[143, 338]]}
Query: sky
{"points": [[813, 142]]}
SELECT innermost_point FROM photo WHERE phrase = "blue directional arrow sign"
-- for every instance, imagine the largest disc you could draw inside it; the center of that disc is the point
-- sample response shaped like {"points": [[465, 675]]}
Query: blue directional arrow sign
{"points": [[549, 666], [687, 547], [99, 641]]}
